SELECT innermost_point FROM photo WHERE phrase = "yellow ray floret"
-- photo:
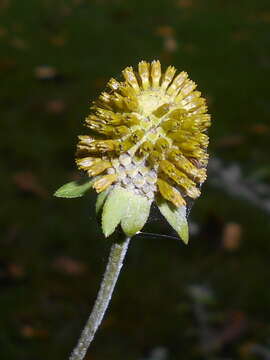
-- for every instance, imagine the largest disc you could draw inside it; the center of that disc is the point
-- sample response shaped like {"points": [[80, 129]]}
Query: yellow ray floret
{"points": [[170, 193], [104, 182], [99, 167]]}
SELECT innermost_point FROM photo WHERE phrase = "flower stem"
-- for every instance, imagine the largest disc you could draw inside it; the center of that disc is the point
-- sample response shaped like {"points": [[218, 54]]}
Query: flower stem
{"points": [[115, 262]]}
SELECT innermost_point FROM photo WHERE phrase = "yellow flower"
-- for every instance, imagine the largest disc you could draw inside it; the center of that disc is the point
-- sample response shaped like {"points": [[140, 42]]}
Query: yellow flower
{"points": [[147, 139]]}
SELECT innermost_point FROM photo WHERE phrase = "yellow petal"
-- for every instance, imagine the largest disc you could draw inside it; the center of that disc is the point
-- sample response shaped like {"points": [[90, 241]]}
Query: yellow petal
{"points": [[131, 78], [168, 76], [177, 83], [155, 74], [144, 74], [169, 193], [99, 167], [86, 162], [104, 182]]}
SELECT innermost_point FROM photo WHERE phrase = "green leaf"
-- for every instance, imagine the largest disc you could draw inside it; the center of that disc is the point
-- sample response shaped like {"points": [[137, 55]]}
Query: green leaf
{"points": [[101, 199], [176, 217], [113, 209], [74, 189], [136, 214]]}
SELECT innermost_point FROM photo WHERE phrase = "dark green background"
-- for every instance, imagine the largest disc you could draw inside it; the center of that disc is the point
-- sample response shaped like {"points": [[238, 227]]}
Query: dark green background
{"points": [[224, 46]]}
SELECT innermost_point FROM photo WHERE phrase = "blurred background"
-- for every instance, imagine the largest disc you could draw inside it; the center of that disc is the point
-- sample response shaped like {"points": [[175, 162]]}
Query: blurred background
{"points": [[208, 300]]}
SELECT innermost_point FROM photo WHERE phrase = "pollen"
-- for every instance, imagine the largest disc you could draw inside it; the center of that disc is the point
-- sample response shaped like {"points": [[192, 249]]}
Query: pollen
{"points": [[147, 134]]}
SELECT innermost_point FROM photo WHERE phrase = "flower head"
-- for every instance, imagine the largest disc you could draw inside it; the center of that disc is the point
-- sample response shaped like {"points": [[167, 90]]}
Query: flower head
{"points": [[147, 142]]}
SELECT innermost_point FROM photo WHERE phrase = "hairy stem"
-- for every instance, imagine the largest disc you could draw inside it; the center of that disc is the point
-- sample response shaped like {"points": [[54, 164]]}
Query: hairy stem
{"points": [[115, 262]]}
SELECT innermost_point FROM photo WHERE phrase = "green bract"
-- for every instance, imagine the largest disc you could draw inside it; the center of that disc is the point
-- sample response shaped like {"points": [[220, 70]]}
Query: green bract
{"points": [[74, 189], [113, 210], [176, 217], [136, 213]]}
